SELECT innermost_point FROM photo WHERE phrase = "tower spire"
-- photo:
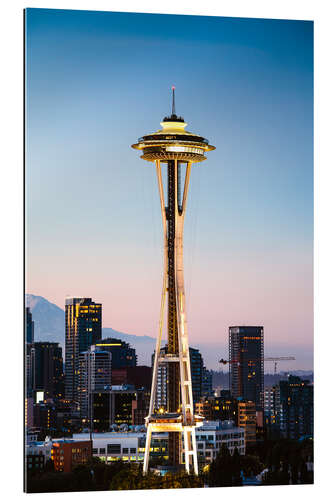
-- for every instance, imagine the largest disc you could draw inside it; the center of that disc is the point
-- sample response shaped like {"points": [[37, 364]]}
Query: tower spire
{"points": [[173, 101]]}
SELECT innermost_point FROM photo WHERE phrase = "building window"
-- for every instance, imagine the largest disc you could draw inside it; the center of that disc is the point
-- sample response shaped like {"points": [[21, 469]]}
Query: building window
{"points": [[133, 450], [102, 451], [125, 450], [113, 448], [95, 451]]}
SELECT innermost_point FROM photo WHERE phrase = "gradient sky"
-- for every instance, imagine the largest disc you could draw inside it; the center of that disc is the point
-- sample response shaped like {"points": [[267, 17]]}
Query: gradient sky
{"points": [[96, 81]]}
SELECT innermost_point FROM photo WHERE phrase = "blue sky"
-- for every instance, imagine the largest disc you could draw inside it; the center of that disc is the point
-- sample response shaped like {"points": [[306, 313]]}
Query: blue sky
{"points": [[96, 81]]}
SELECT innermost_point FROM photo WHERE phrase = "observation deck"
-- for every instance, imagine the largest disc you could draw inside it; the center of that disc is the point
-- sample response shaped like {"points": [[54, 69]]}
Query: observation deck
{"points": [[173, 142]]}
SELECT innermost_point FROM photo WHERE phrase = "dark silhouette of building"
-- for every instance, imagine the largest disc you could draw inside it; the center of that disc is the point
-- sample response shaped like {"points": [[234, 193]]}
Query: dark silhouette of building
{"points": [[139, 376], [122, 353], [29, 353], [140, 407], [29, 326], [295, 408], [197, 372], [113, 405], [207, 382], [48, 369], [246, 363], [83, 319], [218, 408]]}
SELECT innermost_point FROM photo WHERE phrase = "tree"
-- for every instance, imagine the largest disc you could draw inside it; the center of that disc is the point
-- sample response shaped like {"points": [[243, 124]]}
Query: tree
{"points": [[250, 465], [225, 469]]}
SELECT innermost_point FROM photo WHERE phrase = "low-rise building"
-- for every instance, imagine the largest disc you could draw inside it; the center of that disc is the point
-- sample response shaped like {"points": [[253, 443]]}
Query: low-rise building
{"points": [[214, 434], [68, 453], [37, 453], [130, 446], [125, 446]]}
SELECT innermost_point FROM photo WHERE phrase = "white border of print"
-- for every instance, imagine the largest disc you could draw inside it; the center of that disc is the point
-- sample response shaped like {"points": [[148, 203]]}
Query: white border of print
{"points": [[11, 247]]}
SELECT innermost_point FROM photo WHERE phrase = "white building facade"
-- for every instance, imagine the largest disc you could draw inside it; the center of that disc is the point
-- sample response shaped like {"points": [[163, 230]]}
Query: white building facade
{"points": [[130, 446], [214, 434]]}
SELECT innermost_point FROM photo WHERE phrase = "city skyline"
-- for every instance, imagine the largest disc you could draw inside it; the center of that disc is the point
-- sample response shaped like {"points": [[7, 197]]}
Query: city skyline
{"points": [[250, 262]]}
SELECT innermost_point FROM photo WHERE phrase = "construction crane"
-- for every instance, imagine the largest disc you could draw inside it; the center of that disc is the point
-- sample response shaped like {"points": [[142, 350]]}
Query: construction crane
{"points": [[275, 361]]}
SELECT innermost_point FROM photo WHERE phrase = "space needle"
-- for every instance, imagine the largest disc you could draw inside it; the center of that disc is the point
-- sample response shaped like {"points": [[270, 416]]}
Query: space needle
{"points": [[176, 149]]}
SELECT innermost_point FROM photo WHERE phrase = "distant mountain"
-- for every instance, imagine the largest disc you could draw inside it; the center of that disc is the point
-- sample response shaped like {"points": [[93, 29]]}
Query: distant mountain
{"points": [[49, 319]]}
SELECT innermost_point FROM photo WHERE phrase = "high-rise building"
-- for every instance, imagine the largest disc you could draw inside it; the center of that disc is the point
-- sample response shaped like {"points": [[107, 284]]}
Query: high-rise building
{"points": [[246, 363], [161, 396], [272, 410], [83, 319], [48, 369], [201, 378], [197, 373], [113, 405], [207, 383], [247, 419], [122, 353], [95, 374], [29, 326], [140, 408], [29, 353], [295, 407], [218, 408]]}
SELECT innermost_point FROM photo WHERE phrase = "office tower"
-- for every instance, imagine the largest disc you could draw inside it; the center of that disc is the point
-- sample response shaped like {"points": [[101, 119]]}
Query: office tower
{"points": [[201, 378], [29, 355], [161, 396], [295, 408], [217, 408], [246, 363], [272, 410], [83, 319], [178, 149], [29, 369], [138, 376], [122, 353], [113, 405], [197, 373], [247, 420], [29, 326], [95, 374], [48, 369], [140, 408], [207, 383]]}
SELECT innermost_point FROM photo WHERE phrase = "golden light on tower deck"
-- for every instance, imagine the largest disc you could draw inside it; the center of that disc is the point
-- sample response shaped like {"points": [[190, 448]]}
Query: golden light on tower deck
{"points": [[175, 147]]}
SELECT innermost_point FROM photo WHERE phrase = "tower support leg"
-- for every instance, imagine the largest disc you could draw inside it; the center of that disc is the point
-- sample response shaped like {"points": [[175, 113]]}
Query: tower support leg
{"points": [[186, 446], [147, 450], [195, 455]]}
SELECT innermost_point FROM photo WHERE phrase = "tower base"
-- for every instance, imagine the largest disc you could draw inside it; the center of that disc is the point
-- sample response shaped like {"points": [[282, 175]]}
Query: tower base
{"points": [[174, 423]]}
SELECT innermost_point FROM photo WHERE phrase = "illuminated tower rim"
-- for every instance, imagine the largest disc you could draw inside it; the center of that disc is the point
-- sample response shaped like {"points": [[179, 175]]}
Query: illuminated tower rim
{"points": [[173, 142]]}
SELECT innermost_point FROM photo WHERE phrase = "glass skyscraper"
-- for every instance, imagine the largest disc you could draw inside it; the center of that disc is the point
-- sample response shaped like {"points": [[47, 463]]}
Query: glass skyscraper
{"points": [[246, 363], [83, 319]]}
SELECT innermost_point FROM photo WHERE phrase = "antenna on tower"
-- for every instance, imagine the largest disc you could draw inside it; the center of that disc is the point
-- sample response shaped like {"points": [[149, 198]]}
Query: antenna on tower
{"points": [[173, 100]]}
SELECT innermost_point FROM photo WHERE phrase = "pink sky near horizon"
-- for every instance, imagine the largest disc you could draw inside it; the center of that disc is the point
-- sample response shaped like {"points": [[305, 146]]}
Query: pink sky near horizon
{"points": [[234, 290]]}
